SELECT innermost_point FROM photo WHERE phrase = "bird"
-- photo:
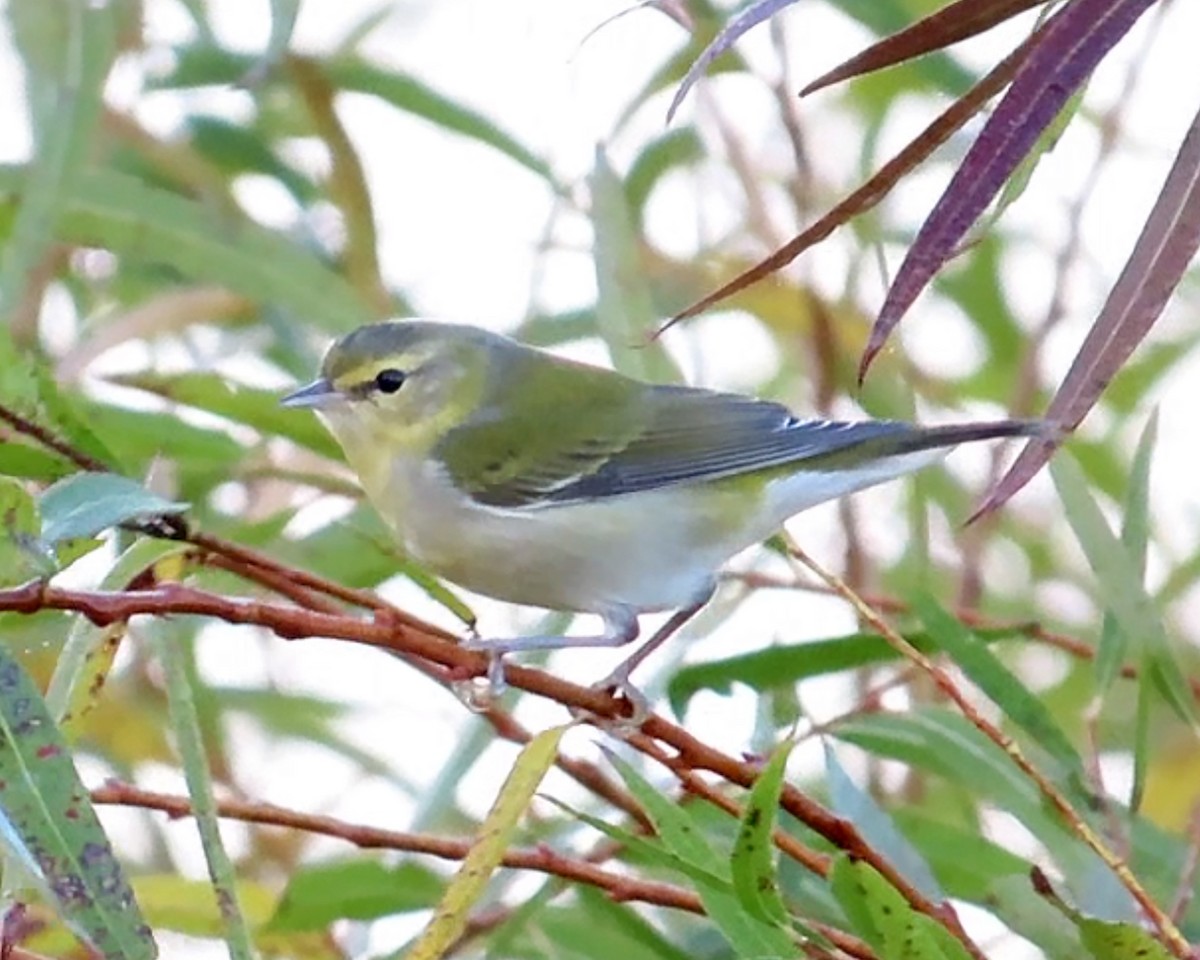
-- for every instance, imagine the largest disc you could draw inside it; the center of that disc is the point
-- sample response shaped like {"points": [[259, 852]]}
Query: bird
{"points": [[538, 480]]}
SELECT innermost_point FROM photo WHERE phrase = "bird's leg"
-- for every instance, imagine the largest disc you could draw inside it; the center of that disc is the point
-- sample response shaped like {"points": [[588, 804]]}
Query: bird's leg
{"points": [[620, 628], [618, 681]]}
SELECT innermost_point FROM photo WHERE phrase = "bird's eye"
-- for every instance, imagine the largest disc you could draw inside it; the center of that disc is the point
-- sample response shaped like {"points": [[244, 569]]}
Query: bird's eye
{"points": [[390, 380]]}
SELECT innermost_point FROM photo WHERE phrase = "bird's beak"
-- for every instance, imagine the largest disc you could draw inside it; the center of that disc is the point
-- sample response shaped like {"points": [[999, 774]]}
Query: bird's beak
{"points": [[319, 393]]}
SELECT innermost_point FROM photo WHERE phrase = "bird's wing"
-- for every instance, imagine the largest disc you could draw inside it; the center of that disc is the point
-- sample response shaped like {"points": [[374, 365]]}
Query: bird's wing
{"points": [[589, 446]]}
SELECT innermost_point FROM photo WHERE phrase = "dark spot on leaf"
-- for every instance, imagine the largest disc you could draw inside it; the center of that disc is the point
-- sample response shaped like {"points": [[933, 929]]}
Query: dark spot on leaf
{"points": [[48, 750], [754, 816]]}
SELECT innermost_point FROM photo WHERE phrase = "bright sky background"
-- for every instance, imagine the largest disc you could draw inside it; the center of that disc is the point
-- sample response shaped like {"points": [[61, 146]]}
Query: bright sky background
{"points": [[447, 209]]}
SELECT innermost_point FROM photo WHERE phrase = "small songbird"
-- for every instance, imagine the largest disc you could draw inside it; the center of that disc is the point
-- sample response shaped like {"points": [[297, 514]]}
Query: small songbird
{"points": [[542, 481]]}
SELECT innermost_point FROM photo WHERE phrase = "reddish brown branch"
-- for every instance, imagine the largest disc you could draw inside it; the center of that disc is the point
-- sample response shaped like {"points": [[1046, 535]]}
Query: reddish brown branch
{"points": [[291, 623], [541, 859]]}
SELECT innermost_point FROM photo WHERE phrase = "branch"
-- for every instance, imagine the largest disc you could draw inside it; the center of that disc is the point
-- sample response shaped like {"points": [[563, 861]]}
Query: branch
{"points": [[1169, 934]]}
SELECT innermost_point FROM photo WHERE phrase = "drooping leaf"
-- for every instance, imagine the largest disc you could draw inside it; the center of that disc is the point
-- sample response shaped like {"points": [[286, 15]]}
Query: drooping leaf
{"points": [[948, 25], [185, 722], [450, 917], [122, 214], [1061, 57], [747, 19], [1164, 249], [83, 504], [358, 889], [1122, 590], [877, 827], [68, 49], [1111, 651], [876, 188], [47, 819], [1005, 689], [752, 864], [624, 310]]}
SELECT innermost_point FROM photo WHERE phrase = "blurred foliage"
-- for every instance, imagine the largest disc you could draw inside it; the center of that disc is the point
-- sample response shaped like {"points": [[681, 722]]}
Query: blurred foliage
{"points": [[150, 320]]}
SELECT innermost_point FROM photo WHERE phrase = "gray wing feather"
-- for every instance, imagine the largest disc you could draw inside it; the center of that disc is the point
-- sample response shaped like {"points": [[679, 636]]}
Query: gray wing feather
{"points": [[703, 435]]}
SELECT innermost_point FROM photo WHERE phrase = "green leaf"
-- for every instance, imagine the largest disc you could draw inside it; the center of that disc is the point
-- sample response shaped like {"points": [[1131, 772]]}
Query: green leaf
{"points": [[882, 917], [149, 224], [181, 708], [752, 864], [416, 97], [988, 673], [255, 408], [87, 657], [624, 307], [873, 822], [1112, 650], [1120, 941], [784, 665], [48, 820], [68, 48], [1013, 901], [358, 889], [674, 149], [23, 554], [450, 917], [83, 504], [1121, 586], [681, 833]]}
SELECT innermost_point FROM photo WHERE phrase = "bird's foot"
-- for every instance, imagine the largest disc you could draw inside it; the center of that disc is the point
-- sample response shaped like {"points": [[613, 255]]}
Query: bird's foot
{"points": [[480, 693], [624, 722]]}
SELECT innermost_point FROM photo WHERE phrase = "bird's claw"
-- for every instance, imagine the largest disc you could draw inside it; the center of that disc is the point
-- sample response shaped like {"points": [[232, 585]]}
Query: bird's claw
{"points": [[619, 687]]}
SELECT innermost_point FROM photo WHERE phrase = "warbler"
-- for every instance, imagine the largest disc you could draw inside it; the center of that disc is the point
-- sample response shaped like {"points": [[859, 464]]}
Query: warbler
{"points": [[542, 481]]}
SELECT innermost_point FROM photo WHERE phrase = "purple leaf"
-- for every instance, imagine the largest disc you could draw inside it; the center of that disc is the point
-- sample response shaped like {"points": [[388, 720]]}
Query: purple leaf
{"points": [[1066, 50], [949, 25], [752, 16], [1167, 244]]}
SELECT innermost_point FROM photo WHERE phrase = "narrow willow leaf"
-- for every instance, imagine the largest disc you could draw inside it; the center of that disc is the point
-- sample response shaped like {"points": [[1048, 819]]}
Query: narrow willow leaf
{"points": [[882, 917], [874, 823], [1120, 941], [152, 225], [83, 666], [467, 886], [875, 189], [679, 830], [948, 25], [47, 818], [1064, 52], [648, 852], [624, 308], [251, 406], [1163, 252], [683, 836], [359, 889], [1112, 650], [988, 673], [671, 151], [172, 652], [67, 70], [83, 504], [747, 19], [416, 97], [1121, 587], [23, 553], [1014, 902], [785, 665], [752, 864]]}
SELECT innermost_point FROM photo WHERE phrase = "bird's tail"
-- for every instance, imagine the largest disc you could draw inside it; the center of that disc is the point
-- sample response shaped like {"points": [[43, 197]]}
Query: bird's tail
{"points": [[951, 435]]}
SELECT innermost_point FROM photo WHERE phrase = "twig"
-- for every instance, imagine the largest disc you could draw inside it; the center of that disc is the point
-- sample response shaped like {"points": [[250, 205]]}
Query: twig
{"points": [[1168, 932], [540, 858], [291, 623]]}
